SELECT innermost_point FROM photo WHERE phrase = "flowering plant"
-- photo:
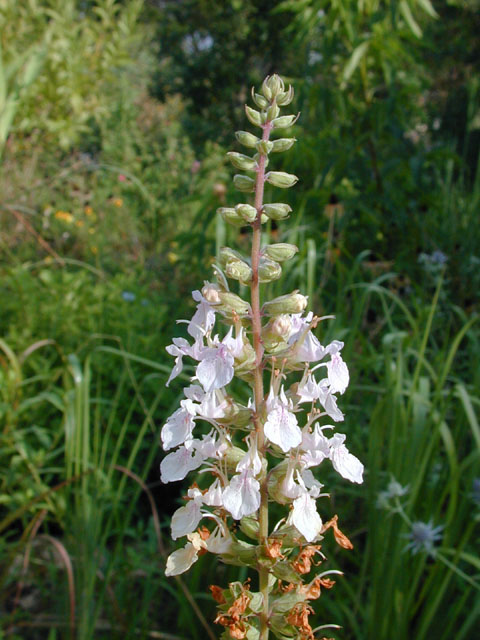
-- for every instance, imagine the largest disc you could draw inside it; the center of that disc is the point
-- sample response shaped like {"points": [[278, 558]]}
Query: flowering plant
{"points": [[260, 450]]}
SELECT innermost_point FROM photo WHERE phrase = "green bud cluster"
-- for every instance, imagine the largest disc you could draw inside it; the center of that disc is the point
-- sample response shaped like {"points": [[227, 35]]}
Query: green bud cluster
{"points": [[273, 95]]}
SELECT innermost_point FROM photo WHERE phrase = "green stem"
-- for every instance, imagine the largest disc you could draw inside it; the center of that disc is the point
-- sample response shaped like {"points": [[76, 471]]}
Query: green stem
{"points": [[258, 377]]}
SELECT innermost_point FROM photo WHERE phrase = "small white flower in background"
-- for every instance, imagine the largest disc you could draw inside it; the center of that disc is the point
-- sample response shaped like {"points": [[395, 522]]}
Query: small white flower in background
{"points": [[423, 536], [393, 490]]}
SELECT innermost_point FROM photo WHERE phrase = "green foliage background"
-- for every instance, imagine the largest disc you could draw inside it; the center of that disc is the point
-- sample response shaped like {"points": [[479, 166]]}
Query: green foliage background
{"points": [[114, 120]]}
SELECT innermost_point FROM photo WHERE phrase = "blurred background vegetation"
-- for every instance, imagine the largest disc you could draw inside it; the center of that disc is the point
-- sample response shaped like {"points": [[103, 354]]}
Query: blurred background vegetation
{"points": [[114, 120]]}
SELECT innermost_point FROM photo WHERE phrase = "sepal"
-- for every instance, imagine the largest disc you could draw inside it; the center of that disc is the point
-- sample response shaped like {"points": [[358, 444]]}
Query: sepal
{"points": [[281, 179], [293, 302], [244, 183], [283, 144], [254, 116], [247, 139], [268, 270], [230, 302], [280, 252], [246, 212], [241, 161], [231, 216], [283, 122], [277, 210]]}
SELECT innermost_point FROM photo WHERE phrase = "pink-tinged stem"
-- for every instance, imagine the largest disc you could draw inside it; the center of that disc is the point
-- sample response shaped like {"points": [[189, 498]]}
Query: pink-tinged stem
{"points": [[258, 385]]}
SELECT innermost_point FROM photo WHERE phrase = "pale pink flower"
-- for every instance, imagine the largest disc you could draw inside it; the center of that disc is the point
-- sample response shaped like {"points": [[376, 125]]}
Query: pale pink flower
{"points": [[181, 560], [242, 496], [347, 465], [304, 515], [281, 426], [179, 426], [185, 519]]}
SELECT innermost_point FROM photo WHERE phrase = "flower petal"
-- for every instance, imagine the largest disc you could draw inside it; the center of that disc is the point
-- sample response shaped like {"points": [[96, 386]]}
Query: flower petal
{"points": [[305, 517]]}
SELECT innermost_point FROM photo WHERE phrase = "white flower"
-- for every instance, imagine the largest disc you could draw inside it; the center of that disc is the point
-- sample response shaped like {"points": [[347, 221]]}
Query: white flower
{"points": [[177, 464], [329, 401], [304, 515], [315, 447], [251, 460], [181, 560], [347, 465], [213, 497], [290, 488], [242, 496], [179, 426], [338, 375], [281, 426], [309, 390], [209, 404], [203, 319], [185, 520], [180, 348], [308, 348], [220, 541], [215, 369], [210, 447]]}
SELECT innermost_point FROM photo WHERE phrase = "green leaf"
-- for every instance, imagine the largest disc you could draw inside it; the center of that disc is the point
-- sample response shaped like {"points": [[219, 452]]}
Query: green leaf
{"points": [[358, 53], [409, 19]]}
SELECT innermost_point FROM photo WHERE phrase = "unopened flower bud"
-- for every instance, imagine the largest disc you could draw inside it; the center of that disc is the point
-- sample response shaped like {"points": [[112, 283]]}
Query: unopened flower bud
{"points": [[229, 255], [232, 457], [277, 210], [246, 212], [231, 302], [283, 144], [268, 270], [249, 526], [276, 333], [293, 302], [231, 216], [245, 362], [239, 271], [235, 415], [285, 97], [273, 112], [281, 326], [254, 116], [275, 85], [241, 161], [283, 122], [259, 100], [281, 251], [211, 293], [244, 183], [247, 139], [240, 554], [267, 92], [281, 179], [264, 147]]}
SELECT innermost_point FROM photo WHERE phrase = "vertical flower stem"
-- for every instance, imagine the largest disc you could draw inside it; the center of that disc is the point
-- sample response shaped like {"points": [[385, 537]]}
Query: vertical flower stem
{"points": [[258, 384]]}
